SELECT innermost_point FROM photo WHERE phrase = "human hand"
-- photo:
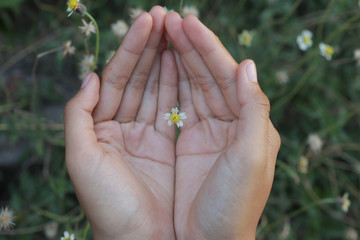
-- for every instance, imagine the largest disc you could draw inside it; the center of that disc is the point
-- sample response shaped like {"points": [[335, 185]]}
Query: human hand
{"points": [[120, 155], [227, 149]]}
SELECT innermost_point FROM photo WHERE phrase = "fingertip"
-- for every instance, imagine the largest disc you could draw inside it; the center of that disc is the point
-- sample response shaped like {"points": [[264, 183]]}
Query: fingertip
{"points": [[158, 9], [158, 15], [172, 19], [190, 20], [247, 71], [145, 20]]}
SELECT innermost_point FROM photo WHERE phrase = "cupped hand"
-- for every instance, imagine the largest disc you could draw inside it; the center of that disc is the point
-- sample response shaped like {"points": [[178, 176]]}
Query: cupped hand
{"points": [[120, 153], [226, 151]]}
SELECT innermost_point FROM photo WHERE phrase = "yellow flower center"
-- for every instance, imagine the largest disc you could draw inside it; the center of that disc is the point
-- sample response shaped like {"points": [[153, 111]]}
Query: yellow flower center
{"points": [[329, 50], [307, 39], [72, 4], [5, 218], [246, 39], [174, 117]]}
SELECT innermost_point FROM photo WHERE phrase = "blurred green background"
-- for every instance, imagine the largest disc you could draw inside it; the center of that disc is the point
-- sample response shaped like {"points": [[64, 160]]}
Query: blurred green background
{"points": [[309, 95]]}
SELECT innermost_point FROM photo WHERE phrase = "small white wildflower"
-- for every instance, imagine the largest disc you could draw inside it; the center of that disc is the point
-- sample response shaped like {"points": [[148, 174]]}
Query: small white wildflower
{"points": [[351, 234], [284, 234], [175, 117], [85, 65], [245, 38], [326, 51], [345, 202], [73, 5], [304, 40], [282, 77], [135, 12], [87, 28], [50, 230], [303, 165], [168, 10], [119, 28], [187, 10], [357, 56], [68, 48], [67, 236], [315, 142], [7, 218]]}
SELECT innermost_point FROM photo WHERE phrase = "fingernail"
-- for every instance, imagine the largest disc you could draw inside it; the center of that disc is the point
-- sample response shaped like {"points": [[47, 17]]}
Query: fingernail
{"points": [[86, 80], [251, 71]]}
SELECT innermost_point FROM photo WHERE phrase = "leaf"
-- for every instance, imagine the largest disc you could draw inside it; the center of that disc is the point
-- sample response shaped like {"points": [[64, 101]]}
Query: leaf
{"points": [[9, 3]]}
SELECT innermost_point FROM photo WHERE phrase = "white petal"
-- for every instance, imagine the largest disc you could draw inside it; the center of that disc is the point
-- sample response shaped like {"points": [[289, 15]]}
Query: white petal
{"points": [[182, 115], [170, 123], [167, 116], [322, 47], [174, 110], [180, 123], [307, 33]]}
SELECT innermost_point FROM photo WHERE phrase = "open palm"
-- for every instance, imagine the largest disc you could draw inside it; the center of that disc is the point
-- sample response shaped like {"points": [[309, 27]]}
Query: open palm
{"points": [[121, 155], [226, 151]]}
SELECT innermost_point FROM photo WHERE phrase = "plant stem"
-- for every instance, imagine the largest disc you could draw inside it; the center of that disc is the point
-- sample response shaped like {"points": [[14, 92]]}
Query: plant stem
{"points": [[97, 40], [86, 231]]}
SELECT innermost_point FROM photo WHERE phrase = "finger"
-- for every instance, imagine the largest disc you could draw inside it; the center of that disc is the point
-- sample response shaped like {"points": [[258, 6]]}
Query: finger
{"points": [[274, 142], [173, 24], [80, 138], [119, 69], [218, 60], [148, 107], [168, 91], [251, 139], [134, 90], [185, 95], [197, 69]]}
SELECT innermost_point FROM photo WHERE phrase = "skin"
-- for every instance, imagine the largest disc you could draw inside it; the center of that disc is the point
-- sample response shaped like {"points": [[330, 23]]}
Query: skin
{"points": [[121, 155]]}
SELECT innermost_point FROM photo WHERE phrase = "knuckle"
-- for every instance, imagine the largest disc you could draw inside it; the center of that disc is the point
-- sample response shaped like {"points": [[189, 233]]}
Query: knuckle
{"points": [[117, 82], [263, 101], [138, 80]]}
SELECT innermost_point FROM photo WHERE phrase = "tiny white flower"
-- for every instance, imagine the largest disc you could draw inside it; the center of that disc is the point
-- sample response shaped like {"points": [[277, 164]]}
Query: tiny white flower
{"points": [[282, 77], [87, 28], [67, 236], [85, 65], [351, 234], [73, 5], [303, 165], [135, 12], [187, 10], [304, 40], [326, 51], [345, 202], [119, 28], [245, 38], [68, 49], [51, 229], [175, 117], [7, 218], [357, 56], [168, 10], [315, 142]]}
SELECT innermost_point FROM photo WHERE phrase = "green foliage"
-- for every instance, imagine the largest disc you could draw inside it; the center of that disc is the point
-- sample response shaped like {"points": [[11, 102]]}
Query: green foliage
{"points": [[10, 3], [319, 97]]}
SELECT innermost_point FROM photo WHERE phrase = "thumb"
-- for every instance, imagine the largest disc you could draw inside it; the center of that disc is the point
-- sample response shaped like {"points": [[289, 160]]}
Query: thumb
{"points": [[252, 130], [80, 137]]}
